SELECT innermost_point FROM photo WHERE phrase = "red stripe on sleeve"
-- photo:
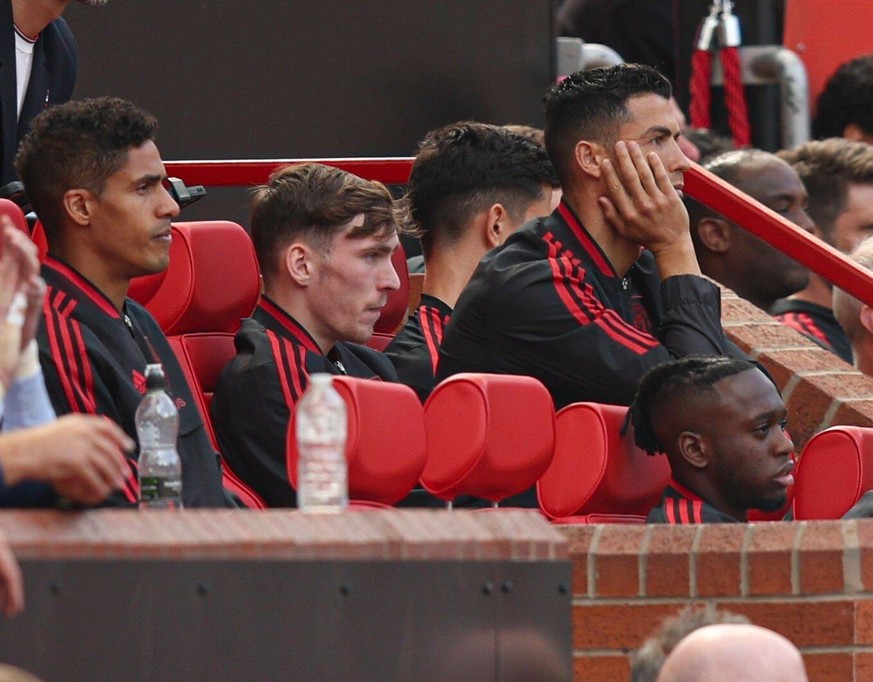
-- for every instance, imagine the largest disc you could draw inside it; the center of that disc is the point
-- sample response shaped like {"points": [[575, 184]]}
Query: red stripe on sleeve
{"points": [[683, 511], [275, 344], [432, 328]]}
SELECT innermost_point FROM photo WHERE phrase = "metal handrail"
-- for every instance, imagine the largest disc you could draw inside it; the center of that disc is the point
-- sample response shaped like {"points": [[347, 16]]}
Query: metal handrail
{"points": [[700, 184]]}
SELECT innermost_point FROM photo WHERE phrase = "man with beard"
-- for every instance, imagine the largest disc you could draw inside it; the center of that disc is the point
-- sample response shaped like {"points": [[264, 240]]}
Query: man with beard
{"points": [[721, 422], [38, 65]]}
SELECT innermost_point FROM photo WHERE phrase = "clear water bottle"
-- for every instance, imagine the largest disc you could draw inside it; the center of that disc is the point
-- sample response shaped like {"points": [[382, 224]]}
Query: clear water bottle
{"points": [[157, 427], [322, 484]]}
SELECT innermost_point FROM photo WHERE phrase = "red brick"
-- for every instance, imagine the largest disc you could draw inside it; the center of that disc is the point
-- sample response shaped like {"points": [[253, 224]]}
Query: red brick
{"points": [[620, 627], [821, 558], [578, 542], [768, 335], [668, 561], [807, 406], [830, 667], [784, 364], [807, 623], [768, 557], [864, 528], [855, 412], [601, 668], [617, 561], [851, 385], [864, 622], [863, 666], [719, 560], [735, 309]]}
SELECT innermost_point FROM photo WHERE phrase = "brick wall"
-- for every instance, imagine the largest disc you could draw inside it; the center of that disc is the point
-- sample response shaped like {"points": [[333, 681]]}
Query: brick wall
{"points": [[819, 389], [811, 581]]}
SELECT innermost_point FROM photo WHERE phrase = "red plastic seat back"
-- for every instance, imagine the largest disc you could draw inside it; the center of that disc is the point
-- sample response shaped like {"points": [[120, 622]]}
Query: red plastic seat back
{"points": [[385, 446], [835, 469], [394, 312], [489, 435], [13, 211], [597, 469], [212, 281]]}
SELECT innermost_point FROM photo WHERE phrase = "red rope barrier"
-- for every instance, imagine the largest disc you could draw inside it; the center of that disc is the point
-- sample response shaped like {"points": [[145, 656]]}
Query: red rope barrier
{"points": [[701, 95], [735, 97]]}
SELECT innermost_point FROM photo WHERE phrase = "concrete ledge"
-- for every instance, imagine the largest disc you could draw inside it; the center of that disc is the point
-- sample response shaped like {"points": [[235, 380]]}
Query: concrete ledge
{"points": [[511, 535]]}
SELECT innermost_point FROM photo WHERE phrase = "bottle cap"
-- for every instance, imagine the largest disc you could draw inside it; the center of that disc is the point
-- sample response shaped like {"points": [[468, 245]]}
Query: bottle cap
{"points": [[154, 376]]}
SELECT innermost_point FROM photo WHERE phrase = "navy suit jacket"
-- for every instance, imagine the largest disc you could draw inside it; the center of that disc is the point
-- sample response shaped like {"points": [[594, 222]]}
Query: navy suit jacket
{"points": [[53, 76]]}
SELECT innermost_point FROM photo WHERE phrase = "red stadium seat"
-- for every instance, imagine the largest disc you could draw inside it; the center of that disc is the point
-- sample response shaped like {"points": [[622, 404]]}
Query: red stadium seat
{"points": [[598, 474], [15, 214], [394, 312], [835, 469], [211, 284], [212, 281], [488, 435], [385, 447]]}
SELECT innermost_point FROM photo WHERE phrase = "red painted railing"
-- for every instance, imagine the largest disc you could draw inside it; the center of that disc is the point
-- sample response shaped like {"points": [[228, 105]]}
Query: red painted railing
{"points": [[699, 184]]}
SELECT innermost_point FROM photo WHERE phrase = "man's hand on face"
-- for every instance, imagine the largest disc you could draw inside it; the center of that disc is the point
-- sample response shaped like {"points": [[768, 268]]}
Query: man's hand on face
{"points": [[642, 206]]}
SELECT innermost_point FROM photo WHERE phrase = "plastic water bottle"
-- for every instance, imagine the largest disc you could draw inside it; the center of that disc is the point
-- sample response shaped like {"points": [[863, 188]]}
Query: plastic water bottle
{"points": [[157, 427], [322, 475]]}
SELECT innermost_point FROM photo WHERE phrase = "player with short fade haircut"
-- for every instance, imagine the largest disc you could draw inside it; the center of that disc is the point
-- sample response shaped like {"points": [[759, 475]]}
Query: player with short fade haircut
{"points": [[324, 239], [472, 185], [592, 105], [721, 423], [845, 106]]}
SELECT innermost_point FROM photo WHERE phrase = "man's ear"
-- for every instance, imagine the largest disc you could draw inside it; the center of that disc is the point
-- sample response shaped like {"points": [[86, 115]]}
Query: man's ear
{"points": [[692, 448], [79, 205], [865, 316], [299, 263], [496, 225], [588, 156], [714, 234]]}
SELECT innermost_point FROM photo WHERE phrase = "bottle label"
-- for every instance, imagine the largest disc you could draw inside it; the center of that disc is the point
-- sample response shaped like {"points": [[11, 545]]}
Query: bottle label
{"points": [[154, 488]]}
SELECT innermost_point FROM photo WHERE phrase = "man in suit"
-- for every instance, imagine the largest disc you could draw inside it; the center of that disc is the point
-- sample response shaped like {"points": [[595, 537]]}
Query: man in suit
{"points": [[38, 65]]}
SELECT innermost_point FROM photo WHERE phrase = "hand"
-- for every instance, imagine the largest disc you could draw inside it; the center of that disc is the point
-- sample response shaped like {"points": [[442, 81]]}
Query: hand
{"points": [[81, 456], [11, 584], [19, 287], [643, 206]]}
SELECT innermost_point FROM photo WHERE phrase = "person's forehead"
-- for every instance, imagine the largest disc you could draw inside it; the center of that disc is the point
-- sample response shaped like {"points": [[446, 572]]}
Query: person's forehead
{"points": [[649, 109], [139, 161], [748, 392], [859, 196], [769, 176]]}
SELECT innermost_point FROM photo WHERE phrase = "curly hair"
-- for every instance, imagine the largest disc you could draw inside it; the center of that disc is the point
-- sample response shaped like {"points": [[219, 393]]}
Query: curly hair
{"points": [[663, 386], [314, 202], [464, 168], [78, 144], [592, 105]]}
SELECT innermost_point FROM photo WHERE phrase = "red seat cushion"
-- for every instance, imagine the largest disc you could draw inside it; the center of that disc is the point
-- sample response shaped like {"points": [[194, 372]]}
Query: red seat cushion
{"points": [[835, 469], [597, 469], [385, 446], [489, 435]]}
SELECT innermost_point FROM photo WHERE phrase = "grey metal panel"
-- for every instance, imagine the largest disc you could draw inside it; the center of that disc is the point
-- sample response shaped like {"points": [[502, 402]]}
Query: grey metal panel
{"points": [[147, 620]]}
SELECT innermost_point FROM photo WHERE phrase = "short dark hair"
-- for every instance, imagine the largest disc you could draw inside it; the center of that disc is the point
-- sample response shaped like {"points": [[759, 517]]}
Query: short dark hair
{"points": [[313, 202], [78, 144], [591, 105], [827, 167], [666, 384], [466, 167], [847, 98]]}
